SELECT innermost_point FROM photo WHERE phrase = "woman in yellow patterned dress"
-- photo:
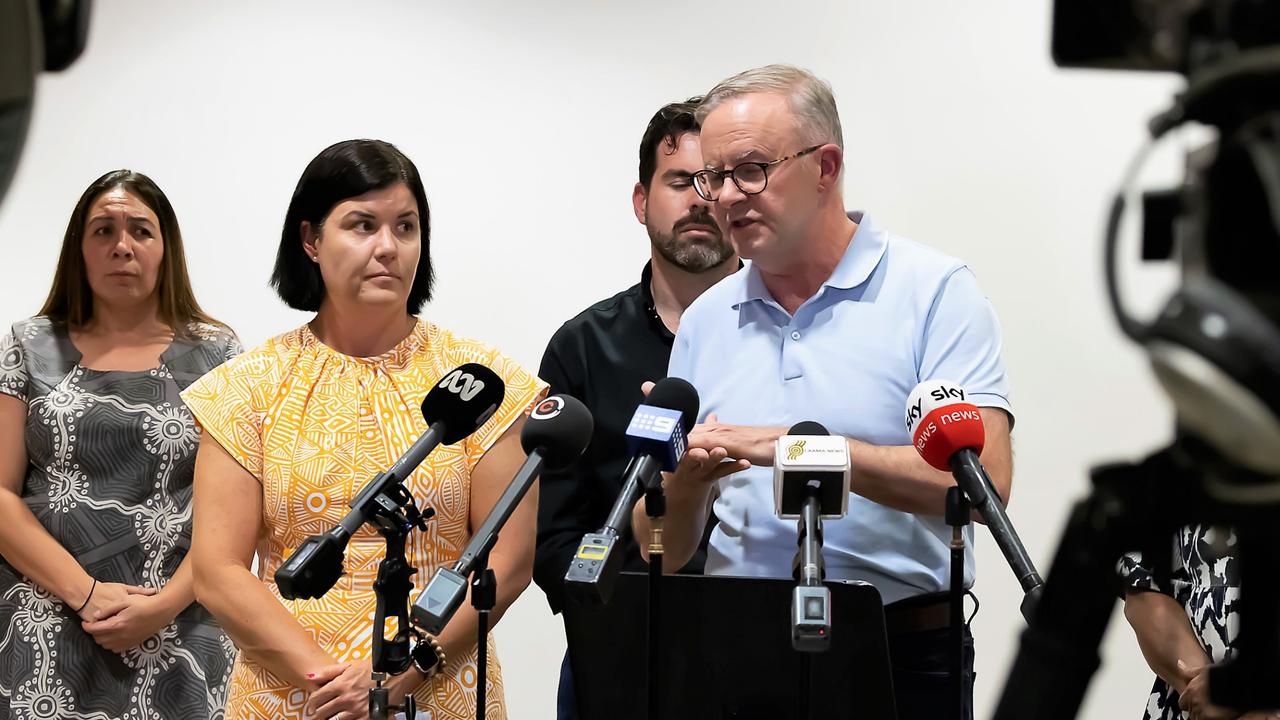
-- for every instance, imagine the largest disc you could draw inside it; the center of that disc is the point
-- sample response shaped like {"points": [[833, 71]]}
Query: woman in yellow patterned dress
{"points": [[296, 427]]}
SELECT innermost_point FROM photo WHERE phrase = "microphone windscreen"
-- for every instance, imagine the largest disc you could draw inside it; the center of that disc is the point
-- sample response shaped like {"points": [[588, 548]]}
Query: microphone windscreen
{"points": [[677, 394], [560, 427], [941, 422], [463, 400], [808, 427]]}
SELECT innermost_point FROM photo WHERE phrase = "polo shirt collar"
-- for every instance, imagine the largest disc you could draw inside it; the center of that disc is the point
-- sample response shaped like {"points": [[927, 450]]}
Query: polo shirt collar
{"points": [[864, 253]]}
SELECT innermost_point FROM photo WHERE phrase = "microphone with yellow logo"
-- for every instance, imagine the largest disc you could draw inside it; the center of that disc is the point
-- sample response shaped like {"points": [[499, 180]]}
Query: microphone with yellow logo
{"points": [[810, 462], [810, 482]]}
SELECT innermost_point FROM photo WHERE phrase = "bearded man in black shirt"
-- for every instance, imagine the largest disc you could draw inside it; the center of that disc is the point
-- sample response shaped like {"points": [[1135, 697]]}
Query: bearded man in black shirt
{"points": [[604, 354]]}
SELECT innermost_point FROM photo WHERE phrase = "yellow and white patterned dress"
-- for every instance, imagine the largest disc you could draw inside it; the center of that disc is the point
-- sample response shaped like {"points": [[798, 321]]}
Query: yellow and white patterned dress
{"points": [[314, 425]]}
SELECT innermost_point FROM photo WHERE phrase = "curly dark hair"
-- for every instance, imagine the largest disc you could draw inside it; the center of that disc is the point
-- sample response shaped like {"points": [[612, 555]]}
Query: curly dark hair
{"points": [[665, 129]]}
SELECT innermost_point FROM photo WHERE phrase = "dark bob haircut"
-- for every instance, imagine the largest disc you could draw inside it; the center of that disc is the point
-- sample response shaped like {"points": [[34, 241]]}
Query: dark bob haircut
{"points": [[665, 128], [342, 171]]}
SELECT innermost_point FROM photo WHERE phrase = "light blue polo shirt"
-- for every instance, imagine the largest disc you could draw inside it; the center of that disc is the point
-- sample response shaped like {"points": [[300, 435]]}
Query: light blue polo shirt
{"points": [[894, 313]]}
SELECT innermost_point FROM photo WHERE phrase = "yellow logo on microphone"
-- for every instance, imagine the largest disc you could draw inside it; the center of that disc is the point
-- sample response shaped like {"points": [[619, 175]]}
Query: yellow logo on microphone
{"points": [[795, 449]]}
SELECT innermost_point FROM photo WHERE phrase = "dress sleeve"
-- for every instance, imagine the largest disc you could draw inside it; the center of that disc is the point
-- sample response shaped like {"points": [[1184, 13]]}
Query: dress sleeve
{"points": [[1134, 575], [523, 390], [13, 367], [233, 346], [228, 404]]}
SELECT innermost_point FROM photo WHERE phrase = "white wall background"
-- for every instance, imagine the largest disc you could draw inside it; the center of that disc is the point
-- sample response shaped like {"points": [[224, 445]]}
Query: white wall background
{"points": [[524, 119]]}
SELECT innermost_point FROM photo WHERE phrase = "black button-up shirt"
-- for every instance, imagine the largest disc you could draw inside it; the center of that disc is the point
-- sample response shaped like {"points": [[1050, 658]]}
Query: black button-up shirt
{"points": [[601, 357]]}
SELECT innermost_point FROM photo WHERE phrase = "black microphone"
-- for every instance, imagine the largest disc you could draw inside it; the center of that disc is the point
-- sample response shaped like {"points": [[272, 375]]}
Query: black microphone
{"points": [[462, 401], [657, 438], [554, 436]]}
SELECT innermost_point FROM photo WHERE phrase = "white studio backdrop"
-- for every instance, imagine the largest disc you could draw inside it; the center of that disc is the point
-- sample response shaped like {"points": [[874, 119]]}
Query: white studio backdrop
{"points": [[524, 119]]}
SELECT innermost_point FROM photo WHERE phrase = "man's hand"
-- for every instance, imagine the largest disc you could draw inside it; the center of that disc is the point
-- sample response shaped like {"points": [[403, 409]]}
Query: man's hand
{"points": [[688, 490], [1195, 698], [129, 621], [715, 441], [753, 444], [700, 467]]}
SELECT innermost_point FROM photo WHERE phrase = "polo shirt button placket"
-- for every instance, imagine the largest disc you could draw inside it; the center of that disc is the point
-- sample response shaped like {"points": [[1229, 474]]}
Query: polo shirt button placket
{"points": [[790, 363]]}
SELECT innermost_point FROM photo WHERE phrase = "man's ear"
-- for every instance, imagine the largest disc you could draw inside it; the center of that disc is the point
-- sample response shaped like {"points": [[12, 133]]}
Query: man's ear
{"points": [[830, 163], [640, 201]]}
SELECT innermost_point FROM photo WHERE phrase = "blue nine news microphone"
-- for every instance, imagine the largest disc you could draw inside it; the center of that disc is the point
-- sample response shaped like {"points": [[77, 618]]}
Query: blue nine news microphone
{"points": [[656, 439], [456, 406], [554, 436]]}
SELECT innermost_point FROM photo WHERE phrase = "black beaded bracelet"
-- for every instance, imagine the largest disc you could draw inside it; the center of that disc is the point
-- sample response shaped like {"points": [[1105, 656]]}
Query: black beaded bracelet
{"points": [[85, 604]]}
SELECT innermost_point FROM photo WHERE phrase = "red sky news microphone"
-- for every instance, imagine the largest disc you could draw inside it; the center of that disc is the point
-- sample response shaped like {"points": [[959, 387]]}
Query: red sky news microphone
{"points": [[946, 429]]}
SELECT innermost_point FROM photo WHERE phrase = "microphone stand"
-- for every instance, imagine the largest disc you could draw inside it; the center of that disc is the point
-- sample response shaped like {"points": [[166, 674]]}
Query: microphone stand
{"points": [[391, 590], [655, 506], [958, 512], [957, 515], [810, 600], [484, 595], [435, 606]]}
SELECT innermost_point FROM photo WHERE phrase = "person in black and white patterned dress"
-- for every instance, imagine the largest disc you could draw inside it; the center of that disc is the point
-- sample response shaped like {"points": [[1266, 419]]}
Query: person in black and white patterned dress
{"points": [[97, 452], [1188, 623]]}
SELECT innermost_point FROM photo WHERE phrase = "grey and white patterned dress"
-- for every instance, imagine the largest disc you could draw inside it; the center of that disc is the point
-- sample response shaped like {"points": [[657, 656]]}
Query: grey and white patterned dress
{"points": [[1205, 581], [110, 462]]}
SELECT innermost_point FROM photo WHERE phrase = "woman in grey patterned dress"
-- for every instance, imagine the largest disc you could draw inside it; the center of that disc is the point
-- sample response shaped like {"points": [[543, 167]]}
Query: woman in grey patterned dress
{"points": [[97, 612]]}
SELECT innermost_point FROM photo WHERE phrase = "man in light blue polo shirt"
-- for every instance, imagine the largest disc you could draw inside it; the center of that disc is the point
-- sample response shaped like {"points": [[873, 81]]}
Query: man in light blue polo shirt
{"points": [[834, 320]]}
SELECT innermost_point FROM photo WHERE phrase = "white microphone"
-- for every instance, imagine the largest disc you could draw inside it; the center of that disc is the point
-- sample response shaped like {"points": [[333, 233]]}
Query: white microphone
{"points": [[810, 482], [810, 462]]}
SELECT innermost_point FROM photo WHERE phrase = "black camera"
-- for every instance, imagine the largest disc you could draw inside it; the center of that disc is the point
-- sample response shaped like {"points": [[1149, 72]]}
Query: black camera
{"points": [[1171, 35], [47, 35], [1215, 348]]}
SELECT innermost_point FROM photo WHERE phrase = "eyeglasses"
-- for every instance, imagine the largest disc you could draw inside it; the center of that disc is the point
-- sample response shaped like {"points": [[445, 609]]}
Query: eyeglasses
{"points": [[750, 177]]}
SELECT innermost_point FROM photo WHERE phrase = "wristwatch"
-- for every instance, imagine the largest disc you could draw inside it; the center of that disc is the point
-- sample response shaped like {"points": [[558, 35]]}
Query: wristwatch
{"points": [[427, 656]]}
